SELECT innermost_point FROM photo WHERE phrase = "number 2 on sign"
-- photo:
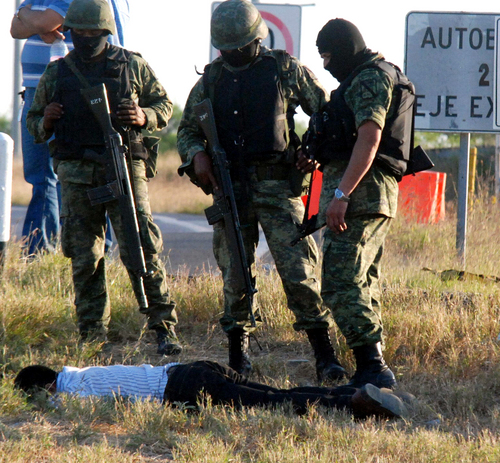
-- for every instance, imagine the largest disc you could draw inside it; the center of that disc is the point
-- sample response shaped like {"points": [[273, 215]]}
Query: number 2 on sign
{"points": [[485, 70]]}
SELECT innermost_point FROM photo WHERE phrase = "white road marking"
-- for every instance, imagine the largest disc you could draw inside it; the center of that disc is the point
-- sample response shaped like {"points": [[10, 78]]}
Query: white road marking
{"points": [[195, 226]]}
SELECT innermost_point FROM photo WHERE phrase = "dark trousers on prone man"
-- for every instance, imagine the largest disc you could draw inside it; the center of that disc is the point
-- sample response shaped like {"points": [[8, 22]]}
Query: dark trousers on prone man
{"points": [[189, 383]]}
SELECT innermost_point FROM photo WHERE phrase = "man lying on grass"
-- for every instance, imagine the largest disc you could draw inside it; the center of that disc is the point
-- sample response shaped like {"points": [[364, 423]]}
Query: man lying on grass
{"points": [[187, 384]]}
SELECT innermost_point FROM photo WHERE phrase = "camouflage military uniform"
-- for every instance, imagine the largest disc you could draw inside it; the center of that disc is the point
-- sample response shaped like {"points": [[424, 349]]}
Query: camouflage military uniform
{"points": [[351, 259], [270, 203], [83, 225]]}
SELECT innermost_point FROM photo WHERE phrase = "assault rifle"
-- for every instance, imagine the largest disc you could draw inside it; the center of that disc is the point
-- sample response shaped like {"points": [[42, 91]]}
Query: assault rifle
{"points": [[118, 186], [224, 207]]}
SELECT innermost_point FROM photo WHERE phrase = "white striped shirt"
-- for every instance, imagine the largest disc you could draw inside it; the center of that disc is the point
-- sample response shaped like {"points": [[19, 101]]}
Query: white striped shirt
{"points": [[144, 382], [36, 53]]}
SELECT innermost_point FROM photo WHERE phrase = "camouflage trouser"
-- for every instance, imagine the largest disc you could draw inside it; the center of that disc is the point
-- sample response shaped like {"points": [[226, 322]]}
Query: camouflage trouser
{"points": [[82, 239], [350, 278], [272, 205]]}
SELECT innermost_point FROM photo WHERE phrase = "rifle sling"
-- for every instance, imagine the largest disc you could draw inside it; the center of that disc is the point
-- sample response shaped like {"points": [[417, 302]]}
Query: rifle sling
{"points": [[71, 64], [129, 160]]}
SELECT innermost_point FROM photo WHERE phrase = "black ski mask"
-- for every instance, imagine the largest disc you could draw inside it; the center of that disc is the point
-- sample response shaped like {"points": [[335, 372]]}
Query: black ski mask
{"points": [[242, 56], [344, 41], [89, 47]]}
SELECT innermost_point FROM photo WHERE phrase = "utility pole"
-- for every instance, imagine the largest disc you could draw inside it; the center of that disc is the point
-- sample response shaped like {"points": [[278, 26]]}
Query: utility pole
{"points": [[16, 108]]}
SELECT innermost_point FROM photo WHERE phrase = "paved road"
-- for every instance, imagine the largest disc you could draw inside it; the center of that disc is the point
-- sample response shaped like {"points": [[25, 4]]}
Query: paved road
{"points": [[187, 239]]}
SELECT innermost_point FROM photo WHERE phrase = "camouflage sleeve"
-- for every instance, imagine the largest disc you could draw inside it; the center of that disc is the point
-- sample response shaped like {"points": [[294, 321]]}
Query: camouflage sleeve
{"points": [[151, 94], [369, 96], [305, 89], [43, 96], [190, 138]]}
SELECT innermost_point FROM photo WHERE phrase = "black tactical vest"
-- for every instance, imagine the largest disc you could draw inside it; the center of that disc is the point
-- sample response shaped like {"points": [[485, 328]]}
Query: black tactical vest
{"points": [[339, 128], [78, 129], [250, 111]]}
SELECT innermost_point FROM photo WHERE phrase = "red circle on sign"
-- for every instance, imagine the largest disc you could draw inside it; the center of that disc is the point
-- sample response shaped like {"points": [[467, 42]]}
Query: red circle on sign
{"points": [[282, 28]]}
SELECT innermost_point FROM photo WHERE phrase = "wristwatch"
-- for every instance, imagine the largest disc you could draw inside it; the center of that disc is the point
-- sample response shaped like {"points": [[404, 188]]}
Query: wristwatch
{"points": [[339, 194]]}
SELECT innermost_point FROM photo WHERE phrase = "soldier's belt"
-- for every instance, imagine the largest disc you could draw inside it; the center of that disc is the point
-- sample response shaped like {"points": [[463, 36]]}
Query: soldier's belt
{"points": [[271, 172]]}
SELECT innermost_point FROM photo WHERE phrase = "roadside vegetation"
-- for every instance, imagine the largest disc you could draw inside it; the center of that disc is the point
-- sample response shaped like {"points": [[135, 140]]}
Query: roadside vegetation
{"points": [[442, 342]]}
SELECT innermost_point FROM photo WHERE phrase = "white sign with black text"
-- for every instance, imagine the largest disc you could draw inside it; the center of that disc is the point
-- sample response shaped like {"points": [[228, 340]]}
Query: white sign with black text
{"points": [[497, 83], [450, 57]]}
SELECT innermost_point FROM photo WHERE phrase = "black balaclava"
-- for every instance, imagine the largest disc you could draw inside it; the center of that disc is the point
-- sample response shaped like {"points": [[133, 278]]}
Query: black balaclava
{"points": [[242, 56], [344, 41], [89, 47]]}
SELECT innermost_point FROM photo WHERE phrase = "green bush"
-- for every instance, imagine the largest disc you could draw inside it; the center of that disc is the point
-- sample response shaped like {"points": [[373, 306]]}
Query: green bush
{"points": [[5, 124]]}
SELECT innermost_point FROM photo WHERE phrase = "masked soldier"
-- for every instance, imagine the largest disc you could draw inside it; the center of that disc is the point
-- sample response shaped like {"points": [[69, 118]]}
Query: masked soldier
{"points": [[252, 89], [367, 127], [137, 101]]}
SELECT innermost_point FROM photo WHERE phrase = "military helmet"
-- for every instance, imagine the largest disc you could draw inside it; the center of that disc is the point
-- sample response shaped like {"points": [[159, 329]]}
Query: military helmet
{"points": [[90, 14], [236, 23]]}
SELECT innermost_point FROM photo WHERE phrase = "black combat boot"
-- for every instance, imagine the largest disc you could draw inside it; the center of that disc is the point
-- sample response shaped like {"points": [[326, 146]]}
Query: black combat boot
{"points": [[238, 351], [371, 368], [328, 368], [93, 332], [168, 344]]}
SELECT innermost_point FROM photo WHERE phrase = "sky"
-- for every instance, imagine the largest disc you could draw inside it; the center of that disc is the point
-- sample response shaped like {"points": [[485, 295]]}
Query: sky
{"points": [[174, 35]]}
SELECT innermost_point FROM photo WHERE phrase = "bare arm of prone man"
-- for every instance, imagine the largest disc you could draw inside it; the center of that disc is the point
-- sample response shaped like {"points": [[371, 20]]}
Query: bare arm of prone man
{"points": [[28, 22]]}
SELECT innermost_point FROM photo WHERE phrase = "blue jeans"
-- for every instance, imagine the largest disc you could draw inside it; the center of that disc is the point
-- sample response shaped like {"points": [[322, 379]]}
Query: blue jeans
{"points": [[41, 225]]}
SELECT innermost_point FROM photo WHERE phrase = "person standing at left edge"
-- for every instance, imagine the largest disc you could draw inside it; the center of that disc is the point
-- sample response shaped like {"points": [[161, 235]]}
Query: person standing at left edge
{"points": [[137, 101], [38, 22]]}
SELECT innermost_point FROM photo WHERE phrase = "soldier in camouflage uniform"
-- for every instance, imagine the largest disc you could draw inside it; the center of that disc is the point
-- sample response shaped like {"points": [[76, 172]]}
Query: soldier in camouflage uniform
{"points": [[137, 101], [251, 89], [359, 195]]}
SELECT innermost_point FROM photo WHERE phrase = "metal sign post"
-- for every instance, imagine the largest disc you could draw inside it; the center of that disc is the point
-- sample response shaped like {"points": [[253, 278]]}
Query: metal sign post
{"points": [[497, 167], [16, 110], [463, 195]]}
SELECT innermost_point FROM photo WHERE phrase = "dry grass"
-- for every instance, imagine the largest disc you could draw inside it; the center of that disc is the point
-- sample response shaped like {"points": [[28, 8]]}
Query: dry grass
{"points": [[21, 191], [441, 343], [171, 193], [168, 191]]}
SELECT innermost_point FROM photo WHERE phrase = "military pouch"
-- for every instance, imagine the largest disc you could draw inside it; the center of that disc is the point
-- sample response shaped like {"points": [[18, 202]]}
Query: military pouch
{"points": [[152, 144], [103, 194], [419, 161], [297, 179]]}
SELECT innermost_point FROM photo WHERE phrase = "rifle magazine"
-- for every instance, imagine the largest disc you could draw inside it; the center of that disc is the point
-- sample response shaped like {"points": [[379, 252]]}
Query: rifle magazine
{"points": [[214, 214], [103, 194]]}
